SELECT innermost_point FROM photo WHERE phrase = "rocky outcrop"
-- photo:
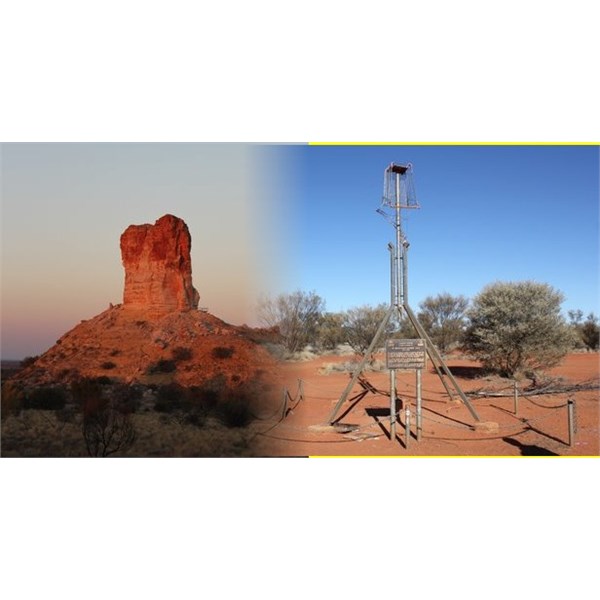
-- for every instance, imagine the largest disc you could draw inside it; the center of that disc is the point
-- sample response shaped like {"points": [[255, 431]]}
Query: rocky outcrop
{"points": [[158, 267]]}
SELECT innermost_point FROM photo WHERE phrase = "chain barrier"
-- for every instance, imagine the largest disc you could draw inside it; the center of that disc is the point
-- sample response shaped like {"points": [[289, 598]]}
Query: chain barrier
{"points": [[283, 410]]}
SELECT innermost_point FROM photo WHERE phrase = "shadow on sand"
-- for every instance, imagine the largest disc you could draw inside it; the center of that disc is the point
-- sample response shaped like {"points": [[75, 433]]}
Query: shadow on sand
{"points": [[529, 450]]}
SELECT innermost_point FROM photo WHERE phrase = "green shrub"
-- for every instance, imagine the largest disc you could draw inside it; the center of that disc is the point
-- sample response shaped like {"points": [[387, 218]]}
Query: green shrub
{"points": [[517, 326]]}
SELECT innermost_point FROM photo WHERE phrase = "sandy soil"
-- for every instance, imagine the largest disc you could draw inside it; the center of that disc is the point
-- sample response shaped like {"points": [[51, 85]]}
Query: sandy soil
{"points": [[540, 426]]}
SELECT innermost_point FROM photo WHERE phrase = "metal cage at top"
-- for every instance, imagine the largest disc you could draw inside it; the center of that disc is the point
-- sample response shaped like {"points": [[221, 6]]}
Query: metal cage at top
{"points": [[398, 187]]}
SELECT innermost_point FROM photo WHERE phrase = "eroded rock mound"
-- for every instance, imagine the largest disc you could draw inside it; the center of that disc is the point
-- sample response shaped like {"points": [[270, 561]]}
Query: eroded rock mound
{"points": [[158, 267]]}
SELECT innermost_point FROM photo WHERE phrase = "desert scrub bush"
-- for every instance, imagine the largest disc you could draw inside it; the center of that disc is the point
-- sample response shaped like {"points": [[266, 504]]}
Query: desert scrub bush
{"points": [[178, 354], [105, 429], [28, 360], [235, 409], [162, 366], [171, 397], [84, 390], [222, 352], [125, 398], [108, 365], [296, 316], [12, 399], [181, 404], [517, 326], [45, 398]]}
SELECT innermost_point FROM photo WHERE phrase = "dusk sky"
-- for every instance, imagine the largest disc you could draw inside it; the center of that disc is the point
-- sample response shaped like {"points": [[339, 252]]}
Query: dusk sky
{"points": [[270, 219], [64, 207]]}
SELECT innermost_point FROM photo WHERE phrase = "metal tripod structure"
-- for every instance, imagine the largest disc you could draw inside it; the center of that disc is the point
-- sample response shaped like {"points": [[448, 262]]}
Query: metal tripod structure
{"points": [[398, 194]]}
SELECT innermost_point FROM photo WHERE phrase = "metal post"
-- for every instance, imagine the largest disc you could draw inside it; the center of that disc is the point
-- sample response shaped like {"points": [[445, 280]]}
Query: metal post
{"points": [[405, 245], [516, 396], [392, 404], [285, 403], [419, 407], [393, 299], [571, 417], [400, 300], [407, 424]]}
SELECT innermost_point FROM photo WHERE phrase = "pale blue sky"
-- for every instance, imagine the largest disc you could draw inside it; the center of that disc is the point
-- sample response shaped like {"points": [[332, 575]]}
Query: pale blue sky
{"points": [[487, 213]]}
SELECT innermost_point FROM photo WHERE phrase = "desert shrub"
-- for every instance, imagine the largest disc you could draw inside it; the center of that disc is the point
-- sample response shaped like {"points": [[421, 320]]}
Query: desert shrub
{"points": [[361, 325], [115, 352], [163, 366], [235, 409], [12, 399], [295, 315], [590, 332], [106, 430], [515, 327], [211, 392], [108, 365], [46, 398], [171, 397], [443, 318], [103, 380], [330, 331], [85, 390], [180, 353], [222, 352], [28, 360], [183, 404], [277, 351], [125, 398]]}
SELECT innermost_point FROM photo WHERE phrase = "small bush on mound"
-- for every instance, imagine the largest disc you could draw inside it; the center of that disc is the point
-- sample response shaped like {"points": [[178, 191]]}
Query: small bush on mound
{"points": [[46, 398], [163, 366], [180, 354], [28, 360], [108, 365], [222, 352]]}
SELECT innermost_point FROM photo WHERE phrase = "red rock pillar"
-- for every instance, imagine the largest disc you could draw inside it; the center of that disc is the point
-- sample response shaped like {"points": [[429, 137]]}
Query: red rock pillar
{"points": [[158, 267]]}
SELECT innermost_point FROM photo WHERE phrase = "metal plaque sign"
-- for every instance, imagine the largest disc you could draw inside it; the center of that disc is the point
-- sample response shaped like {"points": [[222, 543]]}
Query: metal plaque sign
{"points": [[405, 354]]}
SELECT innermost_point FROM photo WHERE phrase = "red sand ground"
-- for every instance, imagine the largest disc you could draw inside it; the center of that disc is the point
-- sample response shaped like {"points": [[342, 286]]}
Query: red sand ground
{"points": [[539, 427]]}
